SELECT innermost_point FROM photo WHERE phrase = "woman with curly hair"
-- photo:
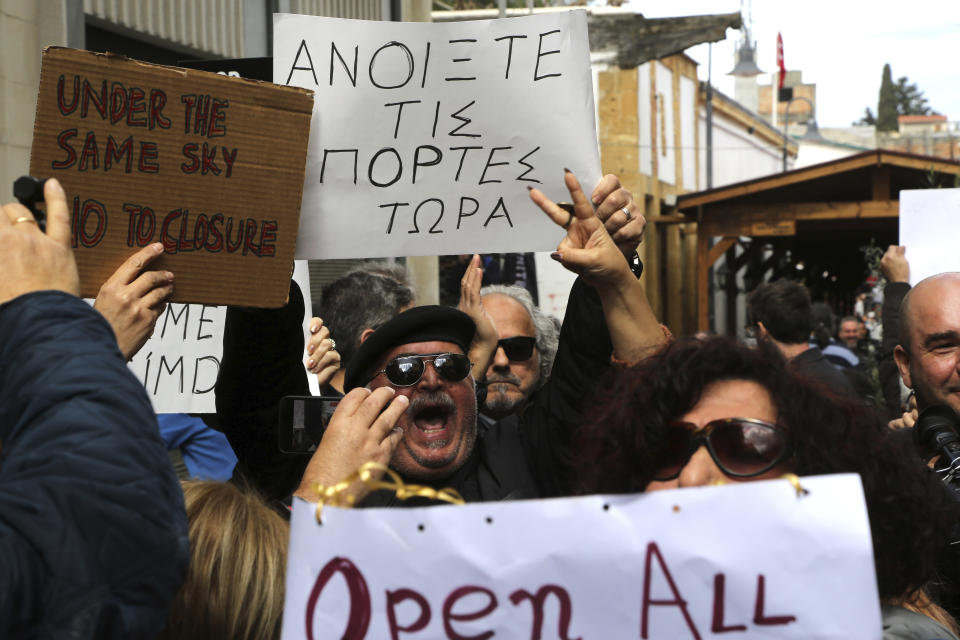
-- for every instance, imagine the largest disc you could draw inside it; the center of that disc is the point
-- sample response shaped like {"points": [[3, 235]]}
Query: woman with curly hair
{"points": [[703, 411]]}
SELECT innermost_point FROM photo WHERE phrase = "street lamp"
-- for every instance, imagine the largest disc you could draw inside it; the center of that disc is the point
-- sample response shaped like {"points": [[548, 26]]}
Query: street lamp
{"points": [[812, 133]]}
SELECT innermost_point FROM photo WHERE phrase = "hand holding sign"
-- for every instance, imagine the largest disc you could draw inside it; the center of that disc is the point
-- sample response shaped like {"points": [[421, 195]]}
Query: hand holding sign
{"points": [[132, 299], [360, 431], [31, 260], [322, 357]]}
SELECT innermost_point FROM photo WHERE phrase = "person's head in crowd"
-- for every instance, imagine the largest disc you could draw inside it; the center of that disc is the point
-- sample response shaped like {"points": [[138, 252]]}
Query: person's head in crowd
{"points": [[824, 323], [421, 353], [851, 330], [394, 270], [358, 303], [238, 555], [702, 411], [928, 353], [525, 353], [780, 311]]}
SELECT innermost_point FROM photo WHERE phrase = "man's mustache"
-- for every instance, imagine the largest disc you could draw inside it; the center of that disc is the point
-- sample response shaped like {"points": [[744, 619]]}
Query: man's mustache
{"points": [[495, 378], [431, 399]]}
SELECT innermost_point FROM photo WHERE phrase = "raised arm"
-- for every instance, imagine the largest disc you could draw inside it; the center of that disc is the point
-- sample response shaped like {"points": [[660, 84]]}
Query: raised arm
{"points": [[93, 534], [484, 343]]}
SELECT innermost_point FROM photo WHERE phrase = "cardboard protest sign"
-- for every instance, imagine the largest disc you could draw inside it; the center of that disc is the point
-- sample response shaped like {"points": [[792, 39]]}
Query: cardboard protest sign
{"points": [[208, 165], [753, 558], [425, 136], [929, 227], [178, 365]]}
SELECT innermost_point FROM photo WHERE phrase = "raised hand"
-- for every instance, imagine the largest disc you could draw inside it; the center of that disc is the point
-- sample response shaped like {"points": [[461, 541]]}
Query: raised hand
{"points": [[620, 215], [132, 299], [322, 358], [31, 260], [484, 343], [361, 430], [588, 249]]}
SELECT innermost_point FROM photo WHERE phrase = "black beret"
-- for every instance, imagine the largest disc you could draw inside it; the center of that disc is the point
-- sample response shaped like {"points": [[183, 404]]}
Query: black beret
{"points": [[428, 323]]}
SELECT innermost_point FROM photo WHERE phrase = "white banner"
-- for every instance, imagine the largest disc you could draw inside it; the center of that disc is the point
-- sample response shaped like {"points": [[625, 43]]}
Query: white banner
{"points": [[179, 364], [929, 225], [425, 136], [751, 558]]}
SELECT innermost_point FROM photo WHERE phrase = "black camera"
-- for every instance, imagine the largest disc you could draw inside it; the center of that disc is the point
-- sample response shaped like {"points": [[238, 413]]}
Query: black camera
{"points": [[936, 433], [29, 192], [303, 420]]}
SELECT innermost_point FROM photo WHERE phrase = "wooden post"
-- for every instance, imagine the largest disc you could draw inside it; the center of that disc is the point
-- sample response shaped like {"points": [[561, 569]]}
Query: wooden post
{"points": [[689, 239], [654, 284], [703, 284]]}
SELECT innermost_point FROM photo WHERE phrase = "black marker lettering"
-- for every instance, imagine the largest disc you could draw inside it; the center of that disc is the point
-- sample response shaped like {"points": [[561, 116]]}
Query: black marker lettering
{"points": [[303, 47], [541, 54]]}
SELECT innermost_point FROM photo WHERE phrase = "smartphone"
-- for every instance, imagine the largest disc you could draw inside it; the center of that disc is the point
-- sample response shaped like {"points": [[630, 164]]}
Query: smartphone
{"points": [[303, 419]]}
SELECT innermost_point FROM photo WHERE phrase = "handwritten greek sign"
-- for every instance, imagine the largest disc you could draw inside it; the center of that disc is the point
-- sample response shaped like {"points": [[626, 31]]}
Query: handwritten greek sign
{"points": [[750, 558], [425, 136], [208, 165]]}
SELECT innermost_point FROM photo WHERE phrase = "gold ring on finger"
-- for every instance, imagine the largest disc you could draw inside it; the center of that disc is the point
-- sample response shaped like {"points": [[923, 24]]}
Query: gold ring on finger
{"points": [[25, 219]]}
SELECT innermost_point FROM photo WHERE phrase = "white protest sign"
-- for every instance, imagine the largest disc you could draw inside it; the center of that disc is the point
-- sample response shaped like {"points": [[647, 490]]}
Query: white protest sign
{"points": [[752, 558], [425, 136], [929, 227], [179, 364]]}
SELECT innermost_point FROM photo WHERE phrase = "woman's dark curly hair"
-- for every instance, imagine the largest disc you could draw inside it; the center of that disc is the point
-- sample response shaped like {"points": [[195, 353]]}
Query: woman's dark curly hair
{"points": [[910, 511]]}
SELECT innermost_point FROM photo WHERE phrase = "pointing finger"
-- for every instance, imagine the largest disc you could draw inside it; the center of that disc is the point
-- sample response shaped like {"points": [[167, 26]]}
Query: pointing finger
{"points": [[58, 217]]}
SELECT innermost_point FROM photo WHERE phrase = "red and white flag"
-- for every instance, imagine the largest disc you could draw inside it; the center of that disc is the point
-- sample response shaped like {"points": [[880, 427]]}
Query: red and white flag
{"points": [[783, 69]]}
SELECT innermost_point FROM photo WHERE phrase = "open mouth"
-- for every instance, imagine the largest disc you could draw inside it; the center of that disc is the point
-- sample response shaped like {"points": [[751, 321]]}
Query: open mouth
{"points": [[432, 416], [431, 419]]}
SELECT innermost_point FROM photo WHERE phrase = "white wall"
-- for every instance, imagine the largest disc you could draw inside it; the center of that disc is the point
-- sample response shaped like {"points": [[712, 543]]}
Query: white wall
{"points": [[737, 155], [812, 153], [688, 124]]}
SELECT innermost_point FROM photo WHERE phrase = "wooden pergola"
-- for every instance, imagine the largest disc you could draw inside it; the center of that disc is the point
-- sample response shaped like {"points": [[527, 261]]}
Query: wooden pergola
{"points": [[859, 189]]}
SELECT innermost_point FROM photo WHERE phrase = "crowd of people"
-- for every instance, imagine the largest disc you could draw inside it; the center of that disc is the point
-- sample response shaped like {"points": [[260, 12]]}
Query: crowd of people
{"points": [[492, 398]]}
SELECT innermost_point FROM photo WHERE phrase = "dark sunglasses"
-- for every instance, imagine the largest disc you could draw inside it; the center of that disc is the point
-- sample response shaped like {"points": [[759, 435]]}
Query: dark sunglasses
{"points": [[406, 371], [517, 348], [741, 447]]}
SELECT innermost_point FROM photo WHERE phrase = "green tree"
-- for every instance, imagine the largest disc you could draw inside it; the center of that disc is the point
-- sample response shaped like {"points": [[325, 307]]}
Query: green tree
{"points": [[900, 98], [887, 104], [910, 100], [867, 119]]}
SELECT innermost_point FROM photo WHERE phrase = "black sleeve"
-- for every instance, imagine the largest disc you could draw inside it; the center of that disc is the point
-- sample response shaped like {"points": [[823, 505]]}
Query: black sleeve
{"points": [[887, 371], [261, 364], [93, 534], [583, 359]]}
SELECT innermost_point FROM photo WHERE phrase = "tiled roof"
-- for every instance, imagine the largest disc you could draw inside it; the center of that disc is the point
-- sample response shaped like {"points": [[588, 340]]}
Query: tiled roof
{"points": [[918, 119]]}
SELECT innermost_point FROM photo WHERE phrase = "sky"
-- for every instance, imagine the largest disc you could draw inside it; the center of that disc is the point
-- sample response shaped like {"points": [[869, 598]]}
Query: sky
{"points": [[841, 45]]}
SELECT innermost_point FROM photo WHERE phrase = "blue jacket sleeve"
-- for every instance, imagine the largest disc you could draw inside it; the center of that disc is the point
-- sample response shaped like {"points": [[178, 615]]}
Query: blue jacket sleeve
{"points": [[93, 534]]}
